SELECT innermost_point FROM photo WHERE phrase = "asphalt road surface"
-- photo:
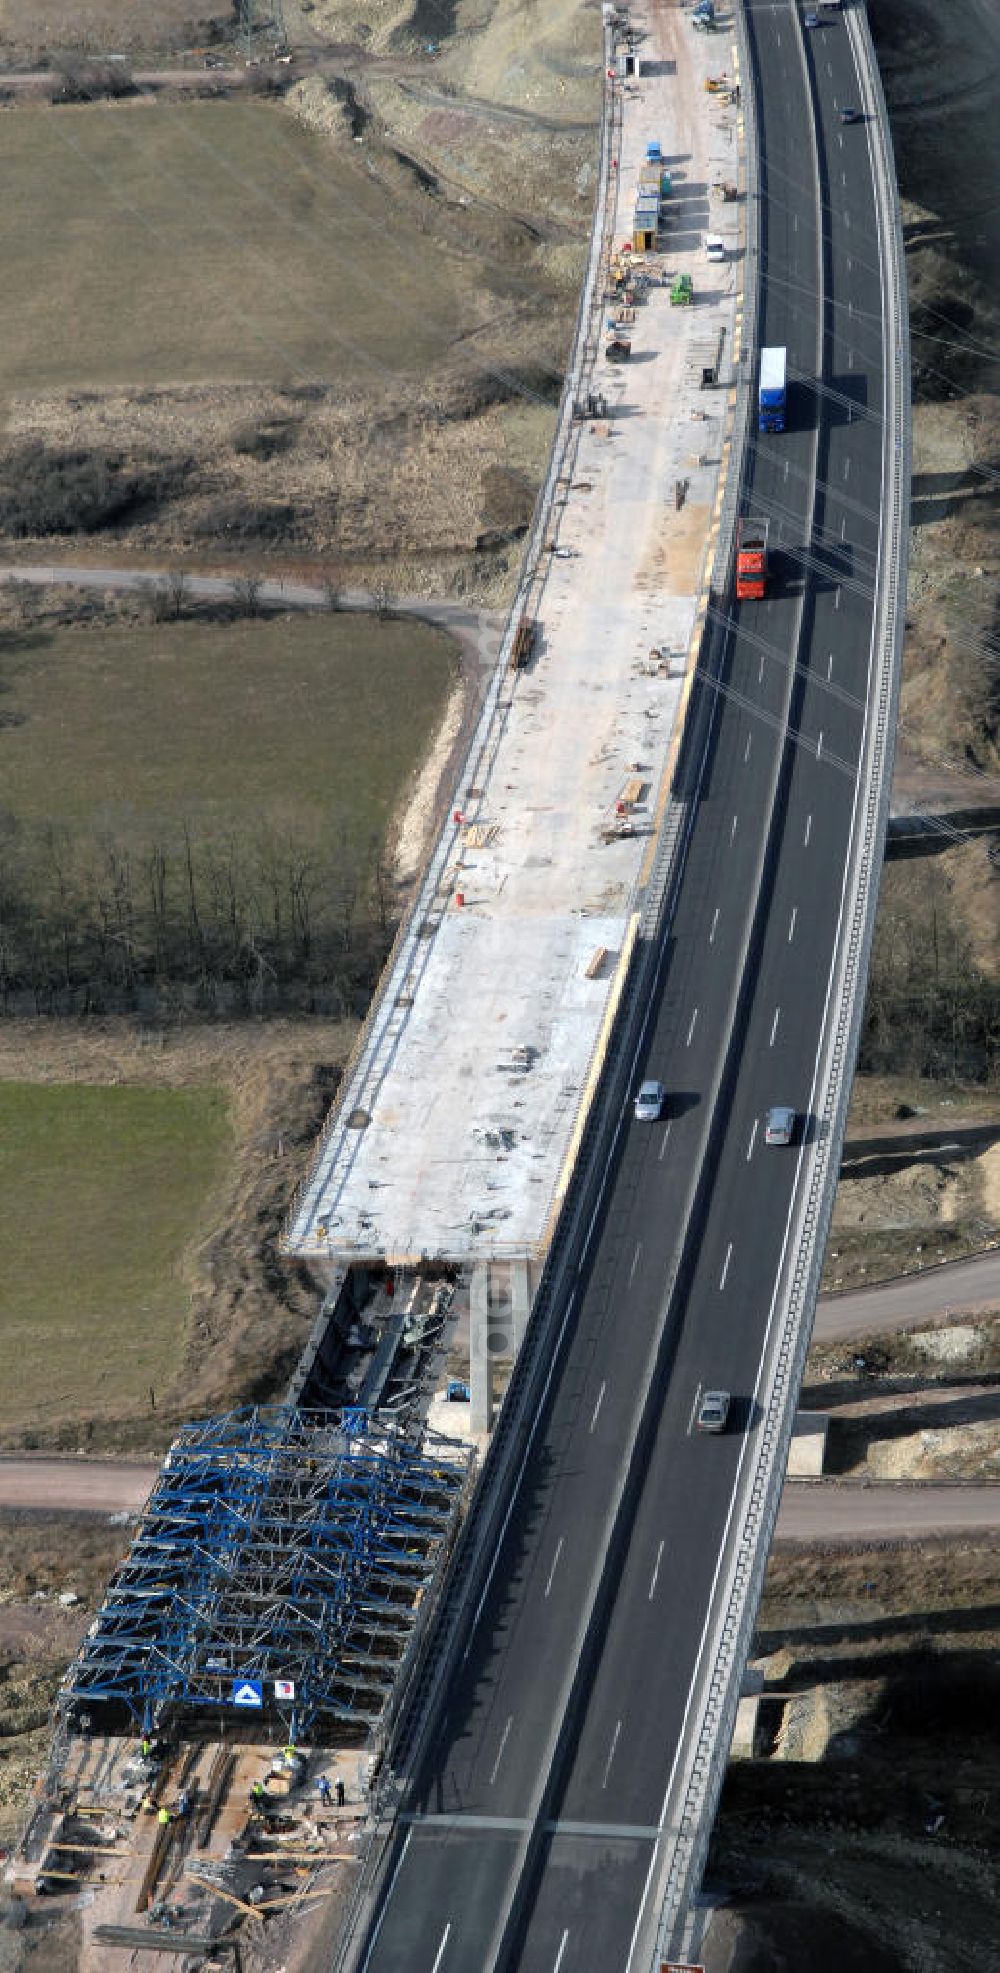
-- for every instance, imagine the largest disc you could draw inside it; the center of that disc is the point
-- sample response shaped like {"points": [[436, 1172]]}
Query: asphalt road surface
{"points": [[565, 1714]]}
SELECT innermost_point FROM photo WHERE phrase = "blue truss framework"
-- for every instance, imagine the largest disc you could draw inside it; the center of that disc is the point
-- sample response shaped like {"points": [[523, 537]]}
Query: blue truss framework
{"points": [[277, 1545]]}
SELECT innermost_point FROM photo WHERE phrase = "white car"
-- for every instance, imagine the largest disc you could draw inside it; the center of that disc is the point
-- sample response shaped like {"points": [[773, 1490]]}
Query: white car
{"points": [[713, 1411], [779, 1125], [649, 1103]]}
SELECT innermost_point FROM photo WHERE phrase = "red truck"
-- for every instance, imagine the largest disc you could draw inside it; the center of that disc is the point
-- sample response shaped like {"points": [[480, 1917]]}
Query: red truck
{"points": [[751, 559]]}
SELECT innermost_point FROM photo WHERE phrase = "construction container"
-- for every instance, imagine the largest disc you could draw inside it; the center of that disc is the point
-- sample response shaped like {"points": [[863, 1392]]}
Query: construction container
{"points": [[643, 237]]}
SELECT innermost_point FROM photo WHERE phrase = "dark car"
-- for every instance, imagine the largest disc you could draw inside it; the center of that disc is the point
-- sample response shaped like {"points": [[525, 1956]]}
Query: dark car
{"points": [[850, 115]]}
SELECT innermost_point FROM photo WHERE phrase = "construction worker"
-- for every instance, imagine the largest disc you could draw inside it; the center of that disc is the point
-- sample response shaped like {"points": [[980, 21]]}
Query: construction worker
{"points": [[184, 1803], [341, 1793], [257, 1795], [323, 1790], [291, 1751], [164, 1818], [146, 1748]]}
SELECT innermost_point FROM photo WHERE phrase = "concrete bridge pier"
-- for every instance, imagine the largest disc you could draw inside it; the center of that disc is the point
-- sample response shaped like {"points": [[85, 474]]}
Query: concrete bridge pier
{"points": [[480, 1365]]}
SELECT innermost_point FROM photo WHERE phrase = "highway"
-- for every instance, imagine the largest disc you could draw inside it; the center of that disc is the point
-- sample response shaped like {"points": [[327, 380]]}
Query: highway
{"points": [[530, 1836]]}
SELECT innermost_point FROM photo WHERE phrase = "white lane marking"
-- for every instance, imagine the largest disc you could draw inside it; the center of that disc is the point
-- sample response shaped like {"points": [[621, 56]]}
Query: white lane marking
{"points": [[555, 1564], [746, 750], [836, 600], [809, 830], [440, 1950], [753, 1139], [635, 1263], [829, 68], [656, 1571], [843, 178], [725, 1265], [791, 923], [850, 359], [787, 463], [600, 1401], [774, 1026], [503, 1743], [611, 1753], [847, 467], [850, 264], [819, 747], [829, 665], [843, 528], [760, 673], [694, 1411], [690, 1038], [840, 139], [732, 831], [562, 1948], [715, 921], [847, 219], [666, 1140]]}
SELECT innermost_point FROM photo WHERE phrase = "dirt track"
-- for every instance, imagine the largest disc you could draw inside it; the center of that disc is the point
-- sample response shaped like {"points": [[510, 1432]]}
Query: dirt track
{"points": [[86, 1486], [818, 1511], [936, 1295]]}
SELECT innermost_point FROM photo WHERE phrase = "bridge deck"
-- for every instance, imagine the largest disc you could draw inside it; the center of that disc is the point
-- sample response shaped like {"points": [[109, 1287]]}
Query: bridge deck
{"points": [[459, 1114]]}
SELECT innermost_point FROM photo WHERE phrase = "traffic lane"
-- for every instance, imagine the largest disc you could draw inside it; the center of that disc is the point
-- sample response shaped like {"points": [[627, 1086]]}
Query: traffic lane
{"points": [[790, 243], [542, 1576], [591, 1887], [445, 1900]]}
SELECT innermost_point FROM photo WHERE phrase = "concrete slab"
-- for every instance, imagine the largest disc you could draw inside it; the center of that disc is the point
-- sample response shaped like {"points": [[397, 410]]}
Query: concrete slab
{"points": [[458, 1116], [807, 1450]]}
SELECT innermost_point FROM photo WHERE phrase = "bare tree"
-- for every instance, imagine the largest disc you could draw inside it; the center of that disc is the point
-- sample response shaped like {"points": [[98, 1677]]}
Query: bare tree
{"points": [[246, 594]]}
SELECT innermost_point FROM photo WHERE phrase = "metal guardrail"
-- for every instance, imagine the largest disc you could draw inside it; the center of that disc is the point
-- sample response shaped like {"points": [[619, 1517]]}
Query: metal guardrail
{"points": [[691, 1818]]}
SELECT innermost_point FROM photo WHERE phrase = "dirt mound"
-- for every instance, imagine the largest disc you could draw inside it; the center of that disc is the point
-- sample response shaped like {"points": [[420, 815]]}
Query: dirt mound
{"points": [[765, 1936]]}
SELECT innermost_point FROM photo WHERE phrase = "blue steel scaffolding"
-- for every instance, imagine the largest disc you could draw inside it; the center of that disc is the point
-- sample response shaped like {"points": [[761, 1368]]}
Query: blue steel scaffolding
{"points": [[275, 1575]]}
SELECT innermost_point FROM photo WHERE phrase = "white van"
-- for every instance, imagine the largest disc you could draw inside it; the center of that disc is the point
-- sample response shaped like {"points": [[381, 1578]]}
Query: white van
{"points": [[715, 248]]}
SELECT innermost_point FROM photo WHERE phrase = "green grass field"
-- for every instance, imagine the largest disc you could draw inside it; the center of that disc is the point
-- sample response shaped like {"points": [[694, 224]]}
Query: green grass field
{"points": [[218, 242], [309, 724], [104, 1191]]}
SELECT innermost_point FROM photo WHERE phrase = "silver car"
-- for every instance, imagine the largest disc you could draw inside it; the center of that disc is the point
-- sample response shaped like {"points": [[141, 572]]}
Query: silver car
{"points": [[713, 1411], [779, 1125], [649, 1103]]}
